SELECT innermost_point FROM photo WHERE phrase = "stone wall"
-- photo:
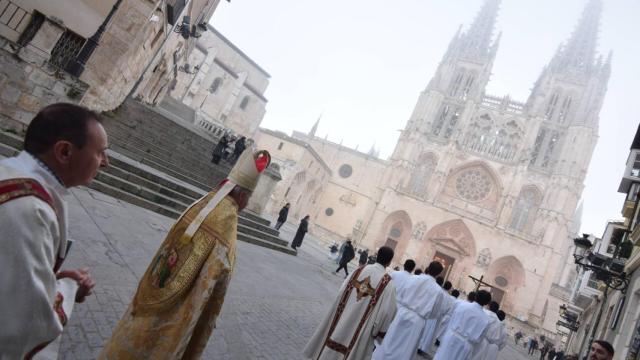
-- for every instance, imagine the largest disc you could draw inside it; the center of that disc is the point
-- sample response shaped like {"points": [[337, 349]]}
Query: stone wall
{"points": [[28, 82]]}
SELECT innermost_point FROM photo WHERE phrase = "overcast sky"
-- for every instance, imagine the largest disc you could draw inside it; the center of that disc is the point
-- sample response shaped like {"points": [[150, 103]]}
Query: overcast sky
{"points": [[363, 63]]}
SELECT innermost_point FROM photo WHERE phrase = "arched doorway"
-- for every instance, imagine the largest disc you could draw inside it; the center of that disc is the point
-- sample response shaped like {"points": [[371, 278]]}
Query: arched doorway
{"points": [[451, 243], [507, 275], [396, 232]]}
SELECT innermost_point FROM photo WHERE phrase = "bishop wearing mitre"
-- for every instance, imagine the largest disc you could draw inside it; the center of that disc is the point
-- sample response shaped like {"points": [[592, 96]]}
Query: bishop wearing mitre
{"points": [[179, 297]]}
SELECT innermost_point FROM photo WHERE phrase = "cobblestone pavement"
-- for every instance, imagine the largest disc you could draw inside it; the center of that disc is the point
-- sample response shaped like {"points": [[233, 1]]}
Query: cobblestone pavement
{"points": [[273, 305]]}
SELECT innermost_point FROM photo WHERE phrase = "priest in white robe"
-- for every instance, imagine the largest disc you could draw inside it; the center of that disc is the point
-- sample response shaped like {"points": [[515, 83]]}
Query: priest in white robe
{"points": [[419, 300], [400, 276], [488, 347], [362, 312], [494, 349], [444, 321], [64, 147], [466, 328], [430, 331]]}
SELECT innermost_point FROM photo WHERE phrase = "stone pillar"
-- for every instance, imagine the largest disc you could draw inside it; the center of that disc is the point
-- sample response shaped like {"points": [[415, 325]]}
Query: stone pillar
{"points": [[266, 186]]}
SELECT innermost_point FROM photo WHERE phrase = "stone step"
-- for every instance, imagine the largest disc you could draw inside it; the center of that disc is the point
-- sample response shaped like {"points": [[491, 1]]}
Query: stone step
{"points": [[11, 140], [260, 234], [141, 191], [172, 213], [8, 151], [148, 173], [267, 244], [256, 218], [115, 171], [262, 227]]}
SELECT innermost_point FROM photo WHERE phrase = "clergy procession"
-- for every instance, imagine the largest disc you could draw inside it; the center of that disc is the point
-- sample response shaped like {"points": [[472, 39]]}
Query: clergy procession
{"points": [[377, 314]]}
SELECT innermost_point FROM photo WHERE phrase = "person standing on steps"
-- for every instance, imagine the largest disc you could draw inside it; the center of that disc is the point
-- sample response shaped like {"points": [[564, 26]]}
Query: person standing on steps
{"points": [[347, 255], [238, 149], [302, 230], [364, 257], [218, 151], [282, 216]]}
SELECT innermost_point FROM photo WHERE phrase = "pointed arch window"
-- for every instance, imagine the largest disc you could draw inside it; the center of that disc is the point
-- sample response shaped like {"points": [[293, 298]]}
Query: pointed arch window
{"points": [[420, 178], [244, 103], [467, 86], [456, 84], [565, 108], [524, 211], [215, 85], [551, 106], [446, 121]]}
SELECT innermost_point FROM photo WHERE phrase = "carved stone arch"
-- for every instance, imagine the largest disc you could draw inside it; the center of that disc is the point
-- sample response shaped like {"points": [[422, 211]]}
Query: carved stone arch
{"points": [[508, 275], [450, 239], [396, 233], [476, 183], [525, 209]]}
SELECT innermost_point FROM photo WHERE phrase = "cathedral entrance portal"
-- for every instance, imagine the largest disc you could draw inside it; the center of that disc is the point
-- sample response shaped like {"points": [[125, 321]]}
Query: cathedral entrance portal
{"points": [[391, 243], [446, 261]]}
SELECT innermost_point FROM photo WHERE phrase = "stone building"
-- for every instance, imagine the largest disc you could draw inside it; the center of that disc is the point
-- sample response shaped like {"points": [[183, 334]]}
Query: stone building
{"points": [[223, 85], [91, 52], [488, 185]]}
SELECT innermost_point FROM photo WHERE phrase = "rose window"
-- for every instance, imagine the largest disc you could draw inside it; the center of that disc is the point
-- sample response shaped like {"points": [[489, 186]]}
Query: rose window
{"points": [[473, 185]]}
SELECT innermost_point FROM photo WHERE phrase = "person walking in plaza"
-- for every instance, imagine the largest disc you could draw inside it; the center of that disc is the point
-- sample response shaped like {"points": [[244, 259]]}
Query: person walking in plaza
{"points": [[400, 276], [363, 309], [430, 330], [419, 299], [64, 147], [533, 346], [347, 255], [466, 328], [238, 149], [282, 216], [364, 257], [551, 354], [302, 230], [218, 151], [180, 295]]}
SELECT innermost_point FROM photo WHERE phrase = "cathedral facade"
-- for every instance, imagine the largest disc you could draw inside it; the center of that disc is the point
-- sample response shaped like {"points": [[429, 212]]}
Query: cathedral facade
{"points": [[487, 185]]}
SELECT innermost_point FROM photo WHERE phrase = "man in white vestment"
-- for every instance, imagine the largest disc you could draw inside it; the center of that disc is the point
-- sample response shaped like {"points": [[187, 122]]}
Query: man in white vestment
{"points": [[504, 335], [362, 312], [64, 146], [419, 300], [400, 276], [444, 321], [466, 328], [428, 337], [488, 347]]}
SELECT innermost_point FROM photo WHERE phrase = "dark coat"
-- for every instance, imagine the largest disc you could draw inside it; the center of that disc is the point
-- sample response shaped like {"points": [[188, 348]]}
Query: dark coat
{"points": [[282, 216], [348, 254], [364, 257], [239, 147], [218, 151], [302, 230]]}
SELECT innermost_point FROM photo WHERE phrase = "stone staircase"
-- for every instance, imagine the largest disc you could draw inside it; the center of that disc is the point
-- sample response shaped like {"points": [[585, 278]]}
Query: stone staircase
{"points": [[144, 184]]}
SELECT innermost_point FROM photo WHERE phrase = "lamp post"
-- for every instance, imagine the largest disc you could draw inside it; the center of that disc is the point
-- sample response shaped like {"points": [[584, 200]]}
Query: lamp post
{"points": [[608, 270]]}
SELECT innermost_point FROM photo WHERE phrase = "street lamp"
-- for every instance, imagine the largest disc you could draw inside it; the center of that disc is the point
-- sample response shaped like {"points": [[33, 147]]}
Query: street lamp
{"points": [[608, 270]]}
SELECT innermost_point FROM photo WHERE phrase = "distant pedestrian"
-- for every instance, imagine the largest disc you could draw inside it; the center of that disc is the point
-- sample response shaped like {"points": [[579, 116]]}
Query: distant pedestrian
{"points": [[364, 257], [340, 251], [239, 147], [218, 151], [302, 230], [551, 354], [517, 336], [533, 346], [347, 255], [282, 216]]}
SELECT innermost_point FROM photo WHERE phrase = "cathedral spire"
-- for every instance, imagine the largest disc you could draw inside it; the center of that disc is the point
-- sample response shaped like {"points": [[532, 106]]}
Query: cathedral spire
{"points": [[476, 42], [578, 54], [312, 132]]}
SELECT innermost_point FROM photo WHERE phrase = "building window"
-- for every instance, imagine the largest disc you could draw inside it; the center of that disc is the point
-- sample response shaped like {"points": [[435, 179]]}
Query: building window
{"points": [[593, 281], [37, 19], [419, 180], [446, 121], [345, 171], [501, 281], [524, 211], [635, 170], [473, 185], [280, 145], [328, 211], [215, 85], [244, 103], [66, 49], [551, 106]]}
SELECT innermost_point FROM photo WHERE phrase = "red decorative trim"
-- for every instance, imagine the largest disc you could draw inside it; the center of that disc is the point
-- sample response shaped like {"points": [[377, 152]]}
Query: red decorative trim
{"points": [[342, 304], [16, 188], [336, 346], [57, 307]]}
